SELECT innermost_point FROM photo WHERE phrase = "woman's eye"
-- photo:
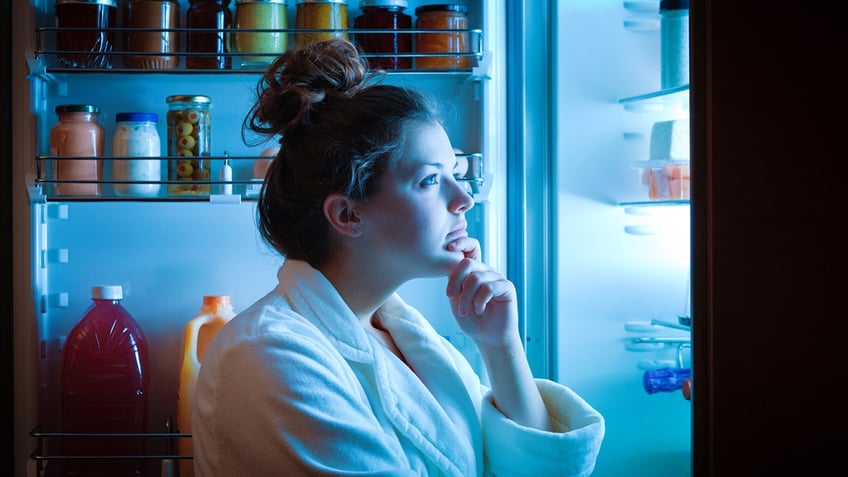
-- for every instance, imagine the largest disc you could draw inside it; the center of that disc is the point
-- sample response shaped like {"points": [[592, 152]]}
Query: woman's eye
{"points": [[431, 180]]}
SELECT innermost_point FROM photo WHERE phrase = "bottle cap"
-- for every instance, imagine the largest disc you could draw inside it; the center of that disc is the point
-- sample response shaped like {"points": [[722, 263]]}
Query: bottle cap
{"points": [[442, 8], [383, 3], [674, 5], [77, 108], [137, 117], [107, 292]]}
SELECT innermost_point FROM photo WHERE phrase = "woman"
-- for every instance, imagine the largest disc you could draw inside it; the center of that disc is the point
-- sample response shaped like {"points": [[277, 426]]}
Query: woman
{"points": [[331, 373]]}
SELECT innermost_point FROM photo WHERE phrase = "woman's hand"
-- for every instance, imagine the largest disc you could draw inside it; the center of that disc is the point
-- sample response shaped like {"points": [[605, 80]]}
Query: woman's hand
{"points": [[483, 301]]}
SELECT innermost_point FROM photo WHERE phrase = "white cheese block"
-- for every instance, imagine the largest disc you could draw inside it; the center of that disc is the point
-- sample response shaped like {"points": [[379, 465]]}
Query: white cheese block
{"points": [[670, 140]]}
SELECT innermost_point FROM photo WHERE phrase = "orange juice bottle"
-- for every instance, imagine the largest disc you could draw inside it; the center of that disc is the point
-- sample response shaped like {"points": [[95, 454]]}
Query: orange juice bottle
{"points": [[215, 311]]}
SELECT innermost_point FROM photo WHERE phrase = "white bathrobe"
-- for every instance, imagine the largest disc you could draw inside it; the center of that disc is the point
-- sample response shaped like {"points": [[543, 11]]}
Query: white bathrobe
{"points": [[295, 386]]}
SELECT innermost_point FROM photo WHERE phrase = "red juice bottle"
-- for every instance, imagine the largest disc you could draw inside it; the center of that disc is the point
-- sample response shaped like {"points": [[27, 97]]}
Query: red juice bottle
{"points": [[105, 381]]}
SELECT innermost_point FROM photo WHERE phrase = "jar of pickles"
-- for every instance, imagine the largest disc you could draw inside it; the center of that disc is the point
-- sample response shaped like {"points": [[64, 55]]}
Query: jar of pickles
{"points": [[189, 121], [385, 15], [433, 45], [320, 15], [264, 46]]}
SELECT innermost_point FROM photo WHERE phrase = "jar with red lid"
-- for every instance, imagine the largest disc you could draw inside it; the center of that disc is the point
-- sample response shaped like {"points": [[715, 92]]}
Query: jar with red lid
{"points": [[432, 46], [385, 15], [330, 15], [209, 19], [77, 135], [85, 32]]}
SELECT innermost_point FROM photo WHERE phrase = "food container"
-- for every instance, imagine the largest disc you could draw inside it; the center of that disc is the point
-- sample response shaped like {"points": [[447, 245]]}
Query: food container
{"points": [[667, 182], [210, 19], [136, 136], [385, 15], [320, 15], [451, 18], [78, 135], [189, 121], [152, 19], [259, 15], [85, 26]]}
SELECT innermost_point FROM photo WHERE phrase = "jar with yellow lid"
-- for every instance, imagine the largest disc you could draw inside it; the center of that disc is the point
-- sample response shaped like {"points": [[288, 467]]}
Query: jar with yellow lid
{"points": [[264, 46], [189, 144], [328, 15]]}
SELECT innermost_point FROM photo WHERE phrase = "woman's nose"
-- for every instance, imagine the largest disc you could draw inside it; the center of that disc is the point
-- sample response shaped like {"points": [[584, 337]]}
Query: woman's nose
{"points": [[462, 200]]}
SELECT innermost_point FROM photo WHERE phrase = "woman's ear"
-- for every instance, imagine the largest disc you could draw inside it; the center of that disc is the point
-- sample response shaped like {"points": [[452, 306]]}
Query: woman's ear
{"points": [[340, 211]]}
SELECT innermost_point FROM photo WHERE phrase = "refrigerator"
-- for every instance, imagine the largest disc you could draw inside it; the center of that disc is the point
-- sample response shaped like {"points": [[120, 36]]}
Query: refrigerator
{"points": [[555, 123]]}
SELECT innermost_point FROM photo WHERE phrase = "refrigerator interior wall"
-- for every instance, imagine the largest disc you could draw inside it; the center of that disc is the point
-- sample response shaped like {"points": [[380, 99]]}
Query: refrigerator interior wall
{"points": [[617, 264], [166, 253]]}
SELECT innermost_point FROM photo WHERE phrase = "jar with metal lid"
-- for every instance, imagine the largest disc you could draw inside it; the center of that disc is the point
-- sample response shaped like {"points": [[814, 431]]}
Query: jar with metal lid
{"points": [[136, 136], [149, 22], [433, 45], [385, 15], [189, 121], [85, 32], [210, 19], [78, 135], [259, 15], [320, 15]]}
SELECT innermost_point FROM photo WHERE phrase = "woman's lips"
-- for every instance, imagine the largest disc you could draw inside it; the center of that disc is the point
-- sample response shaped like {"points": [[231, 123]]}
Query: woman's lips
{"points": [[458, 232]]}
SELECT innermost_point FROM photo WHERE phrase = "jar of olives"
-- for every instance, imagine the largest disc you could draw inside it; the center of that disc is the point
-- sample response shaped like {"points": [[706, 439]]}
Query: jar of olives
{"points": [[189, 121]]}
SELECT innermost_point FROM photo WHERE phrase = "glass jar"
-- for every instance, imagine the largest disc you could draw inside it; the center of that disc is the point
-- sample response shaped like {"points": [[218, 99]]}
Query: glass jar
{"points": [[320, 15], [136, 136], [205, 16], [385, 15], [257, 15], [189, 139], [77, 134], [451, 18], [155, 17], [74, 19]]}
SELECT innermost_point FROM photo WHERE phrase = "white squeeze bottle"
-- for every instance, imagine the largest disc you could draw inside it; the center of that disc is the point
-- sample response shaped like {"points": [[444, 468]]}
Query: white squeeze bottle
{"points": [[215, 312]]}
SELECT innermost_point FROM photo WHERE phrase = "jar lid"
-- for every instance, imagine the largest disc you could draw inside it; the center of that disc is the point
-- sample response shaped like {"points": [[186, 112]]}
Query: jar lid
{"points": [[383, 3], [77, 108], [107, 292], [108, 3], [239, 2], [182, 98], [674, 5], [137, 117], [442, 8], [301, 2]]}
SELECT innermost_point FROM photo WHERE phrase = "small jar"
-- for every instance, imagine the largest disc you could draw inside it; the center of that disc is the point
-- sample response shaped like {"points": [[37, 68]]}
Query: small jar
{"points": [[674, 43], [385, 15], [189, 139], [258, 15], [136, 136], [73, 18], [208, 15], [320, 15], [153, 19], [451, 18], [77, 134]]}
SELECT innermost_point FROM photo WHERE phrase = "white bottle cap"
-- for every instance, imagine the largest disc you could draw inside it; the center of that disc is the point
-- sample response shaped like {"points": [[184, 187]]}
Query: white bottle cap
{"points": [[107, 292]]}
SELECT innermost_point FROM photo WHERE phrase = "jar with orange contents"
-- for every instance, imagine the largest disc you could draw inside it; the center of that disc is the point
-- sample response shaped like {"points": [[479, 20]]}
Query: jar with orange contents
{"points": [[432, 46]]}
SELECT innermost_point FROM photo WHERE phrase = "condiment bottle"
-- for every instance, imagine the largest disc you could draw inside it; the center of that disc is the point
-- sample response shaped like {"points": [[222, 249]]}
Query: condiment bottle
{"points": [[152, 19], [105, 378], [136, 136], [85, 27], [189, 121], [320, 15], [674, 43], [205, 16], [454, 19], [215, 312], [258, 15], [77, 134], [385, 15]]}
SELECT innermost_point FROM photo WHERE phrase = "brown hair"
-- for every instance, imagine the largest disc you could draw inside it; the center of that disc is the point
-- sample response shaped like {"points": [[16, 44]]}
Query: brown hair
{"points": [[340, 131]]}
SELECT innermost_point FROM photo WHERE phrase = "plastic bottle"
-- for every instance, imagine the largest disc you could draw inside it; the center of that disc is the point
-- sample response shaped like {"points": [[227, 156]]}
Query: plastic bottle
{"points": [[665, 379], [215, 312], [104, 387], [226, 177], [674, 43]]}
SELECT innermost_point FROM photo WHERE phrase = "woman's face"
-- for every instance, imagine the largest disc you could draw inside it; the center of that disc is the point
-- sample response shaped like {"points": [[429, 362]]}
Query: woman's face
{"points": [[419, 209]]}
